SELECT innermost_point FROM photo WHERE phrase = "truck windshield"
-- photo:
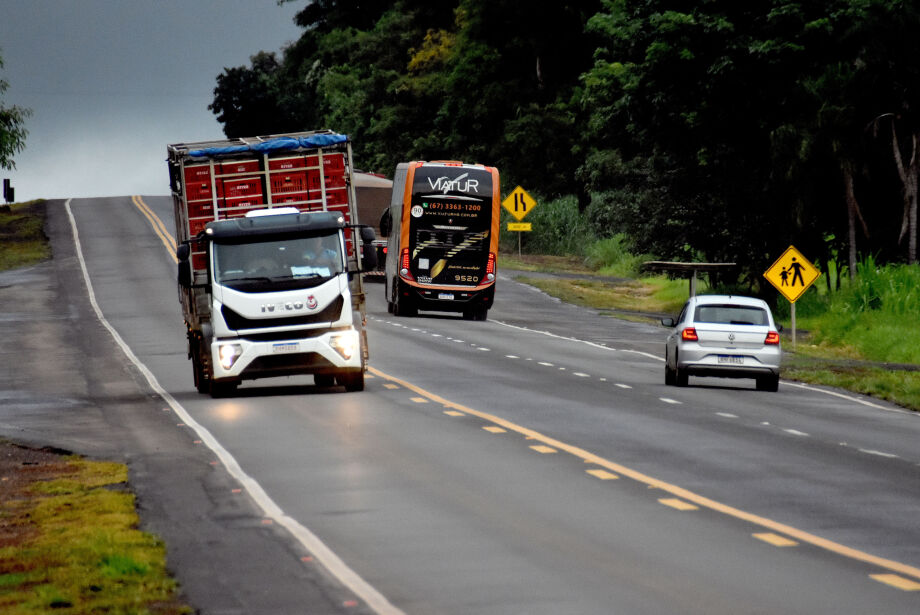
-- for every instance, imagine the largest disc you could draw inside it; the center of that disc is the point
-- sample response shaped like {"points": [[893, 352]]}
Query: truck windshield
{"points": [[278, 265]]}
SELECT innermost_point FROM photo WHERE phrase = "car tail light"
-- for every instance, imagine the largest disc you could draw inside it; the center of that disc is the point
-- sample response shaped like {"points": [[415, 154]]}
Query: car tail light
{"points": [[490, 267], [772, 339], [689, 335]]}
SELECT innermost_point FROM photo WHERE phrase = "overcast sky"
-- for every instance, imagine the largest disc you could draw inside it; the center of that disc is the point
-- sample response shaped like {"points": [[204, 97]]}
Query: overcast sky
{"points": [[111, 82]]}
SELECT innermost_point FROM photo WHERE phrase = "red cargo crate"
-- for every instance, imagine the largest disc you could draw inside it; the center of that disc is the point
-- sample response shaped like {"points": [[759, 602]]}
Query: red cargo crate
{"points": [[198, 173], [291, 198], [196, 225], [199, 260], [233, 205], [284, 182], [331, 162], [284, 164], [239, 166], [333, 180], [200, 209], [198, 190], [244, 186], [336, 197]]}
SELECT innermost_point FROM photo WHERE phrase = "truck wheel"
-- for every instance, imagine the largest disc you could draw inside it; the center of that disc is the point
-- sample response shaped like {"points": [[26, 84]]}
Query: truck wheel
{"points": [[223, 389], [323, 380], [202, 382], [352, 381]]}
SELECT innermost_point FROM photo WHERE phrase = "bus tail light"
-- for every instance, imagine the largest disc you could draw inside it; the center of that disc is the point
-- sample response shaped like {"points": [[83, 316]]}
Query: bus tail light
{"points": [[490, 267], [404, 265], [689, 335], [772, 339]]}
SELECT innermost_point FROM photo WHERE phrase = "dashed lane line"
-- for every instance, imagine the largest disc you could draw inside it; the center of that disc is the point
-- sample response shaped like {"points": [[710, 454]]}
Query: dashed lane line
{"points": [[679, 493]]}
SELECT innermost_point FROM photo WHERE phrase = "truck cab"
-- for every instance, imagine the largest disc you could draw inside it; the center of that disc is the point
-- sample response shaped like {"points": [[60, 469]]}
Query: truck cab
{"points": [[280, 302]]}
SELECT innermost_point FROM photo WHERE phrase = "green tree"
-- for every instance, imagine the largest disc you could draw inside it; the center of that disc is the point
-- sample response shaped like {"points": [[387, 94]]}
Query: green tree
{"points": [[12, 128]]}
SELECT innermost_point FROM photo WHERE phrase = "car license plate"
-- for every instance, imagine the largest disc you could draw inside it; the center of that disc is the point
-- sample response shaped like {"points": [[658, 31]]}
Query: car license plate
{"points": [[286, 347], [447, 296], [731, 359]]}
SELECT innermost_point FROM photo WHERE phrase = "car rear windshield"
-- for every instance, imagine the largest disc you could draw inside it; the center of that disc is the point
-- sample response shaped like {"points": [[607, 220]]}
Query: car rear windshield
{"points": [[731, 314]]}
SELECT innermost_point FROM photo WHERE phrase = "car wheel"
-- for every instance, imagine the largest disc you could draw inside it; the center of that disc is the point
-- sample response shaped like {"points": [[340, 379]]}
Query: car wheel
{"points": [[768, 383], [669, 378]]}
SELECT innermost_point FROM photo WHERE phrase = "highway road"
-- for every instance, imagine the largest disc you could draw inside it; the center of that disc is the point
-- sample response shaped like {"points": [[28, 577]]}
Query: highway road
{"points": [[532, 463]]}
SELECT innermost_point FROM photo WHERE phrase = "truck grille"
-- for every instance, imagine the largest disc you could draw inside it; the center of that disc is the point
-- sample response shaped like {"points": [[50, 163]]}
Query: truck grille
{"points": [[239, 322]]}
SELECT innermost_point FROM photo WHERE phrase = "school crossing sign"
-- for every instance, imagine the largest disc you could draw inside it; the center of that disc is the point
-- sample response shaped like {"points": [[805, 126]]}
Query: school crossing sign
{"points": [[792, 274]]}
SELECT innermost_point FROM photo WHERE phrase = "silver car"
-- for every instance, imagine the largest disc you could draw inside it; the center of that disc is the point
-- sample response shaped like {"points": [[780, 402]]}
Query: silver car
{"points": [[726, 336]]}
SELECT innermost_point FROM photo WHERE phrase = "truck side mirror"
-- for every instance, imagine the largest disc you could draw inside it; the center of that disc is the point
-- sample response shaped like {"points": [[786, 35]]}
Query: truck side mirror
{"points": [[183, 251], [368, 252]]}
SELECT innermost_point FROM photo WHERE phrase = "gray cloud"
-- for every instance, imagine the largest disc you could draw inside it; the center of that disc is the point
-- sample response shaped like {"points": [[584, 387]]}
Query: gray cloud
{"points": [[111, 82]]}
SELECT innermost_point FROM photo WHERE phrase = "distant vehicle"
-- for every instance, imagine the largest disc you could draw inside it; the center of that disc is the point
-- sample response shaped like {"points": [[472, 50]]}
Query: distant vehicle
{"points": [[270, 255], [442, 238], [725, 336]]}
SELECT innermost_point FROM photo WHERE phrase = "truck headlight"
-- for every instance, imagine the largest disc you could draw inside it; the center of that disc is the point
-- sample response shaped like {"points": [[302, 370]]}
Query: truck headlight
{"points": [[229, 353], [346, 344]]}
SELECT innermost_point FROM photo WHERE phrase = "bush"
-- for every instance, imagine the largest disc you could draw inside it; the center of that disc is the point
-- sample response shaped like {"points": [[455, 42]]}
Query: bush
{"points": [[558, 229], [613, 256]]}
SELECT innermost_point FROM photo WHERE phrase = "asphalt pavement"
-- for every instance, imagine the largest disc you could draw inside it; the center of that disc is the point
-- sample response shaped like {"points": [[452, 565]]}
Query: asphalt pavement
{"points": [[227, 559]]}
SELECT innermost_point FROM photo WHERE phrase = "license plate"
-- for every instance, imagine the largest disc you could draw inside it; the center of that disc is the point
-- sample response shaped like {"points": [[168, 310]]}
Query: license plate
{"points": [[447, 296], [286, 347], [731, 360]]}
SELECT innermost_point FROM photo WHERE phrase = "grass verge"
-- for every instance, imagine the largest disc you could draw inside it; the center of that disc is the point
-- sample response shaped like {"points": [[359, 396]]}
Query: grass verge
{"points": [[69, 541], [22, 238]]}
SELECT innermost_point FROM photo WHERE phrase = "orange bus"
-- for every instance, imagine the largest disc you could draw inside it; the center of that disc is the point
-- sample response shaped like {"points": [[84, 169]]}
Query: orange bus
{"points": [[443, 238]]}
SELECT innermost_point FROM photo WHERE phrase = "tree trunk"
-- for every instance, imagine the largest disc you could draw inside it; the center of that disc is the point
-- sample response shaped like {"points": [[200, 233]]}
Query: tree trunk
{"points": [[853, 213], [908, 177]]}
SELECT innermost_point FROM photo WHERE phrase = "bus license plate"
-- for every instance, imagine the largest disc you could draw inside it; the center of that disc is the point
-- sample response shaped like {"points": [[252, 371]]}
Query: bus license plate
{"points": [[286, 347], [731, 360], [446, 296]]}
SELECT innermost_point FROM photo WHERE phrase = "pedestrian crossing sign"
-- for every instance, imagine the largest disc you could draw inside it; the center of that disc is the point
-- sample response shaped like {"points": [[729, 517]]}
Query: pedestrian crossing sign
{"points": [[792, 274]]}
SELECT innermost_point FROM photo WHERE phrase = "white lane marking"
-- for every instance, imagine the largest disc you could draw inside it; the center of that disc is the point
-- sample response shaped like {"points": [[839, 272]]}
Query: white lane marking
{"points": [[580, 374], [668, 400], [575, 339], [727, 415], [623, 386], [796, 432], [805, 386], [333, 563], [879, 453], [544, 363], [511, 356]]}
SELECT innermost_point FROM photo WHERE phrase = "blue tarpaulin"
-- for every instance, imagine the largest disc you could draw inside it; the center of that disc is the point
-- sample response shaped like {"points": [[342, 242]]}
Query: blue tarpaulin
{"points": [[279, 144]]}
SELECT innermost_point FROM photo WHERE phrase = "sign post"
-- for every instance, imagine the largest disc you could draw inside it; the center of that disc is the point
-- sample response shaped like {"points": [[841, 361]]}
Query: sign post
{"points": [[792, 274], [519, 204]]}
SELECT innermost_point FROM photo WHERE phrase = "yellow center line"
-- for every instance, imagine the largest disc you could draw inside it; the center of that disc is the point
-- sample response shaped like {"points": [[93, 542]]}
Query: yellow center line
{"points": [[679, 492], [912, 571], [158, 227]]}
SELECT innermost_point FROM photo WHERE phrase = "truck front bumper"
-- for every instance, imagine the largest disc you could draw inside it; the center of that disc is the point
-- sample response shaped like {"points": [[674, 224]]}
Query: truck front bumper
{"points": [[245, 359]]}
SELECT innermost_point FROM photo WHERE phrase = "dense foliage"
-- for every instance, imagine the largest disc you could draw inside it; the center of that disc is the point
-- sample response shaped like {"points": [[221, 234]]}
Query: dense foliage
{"points": [[12, 128], [708, 130]]}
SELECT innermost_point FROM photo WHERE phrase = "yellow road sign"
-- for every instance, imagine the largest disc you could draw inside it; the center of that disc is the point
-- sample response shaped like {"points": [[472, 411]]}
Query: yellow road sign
{"points": [[519, 226], [792, 274], [519, 203]]}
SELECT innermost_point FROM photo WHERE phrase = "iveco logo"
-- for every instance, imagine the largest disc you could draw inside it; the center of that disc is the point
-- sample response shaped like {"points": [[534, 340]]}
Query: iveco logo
{"points": [[289, 306]]}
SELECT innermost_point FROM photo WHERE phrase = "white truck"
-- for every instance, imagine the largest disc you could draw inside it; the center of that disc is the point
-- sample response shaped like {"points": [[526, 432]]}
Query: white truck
{"points": [[270, 254]]}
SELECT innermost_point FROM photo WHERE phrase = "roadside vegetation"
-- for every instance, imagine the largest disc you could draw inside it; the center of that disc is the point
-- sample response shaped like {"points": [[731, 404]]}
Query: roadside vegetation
{"points": [[860, 336], [22, 240], [69, 541]]}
